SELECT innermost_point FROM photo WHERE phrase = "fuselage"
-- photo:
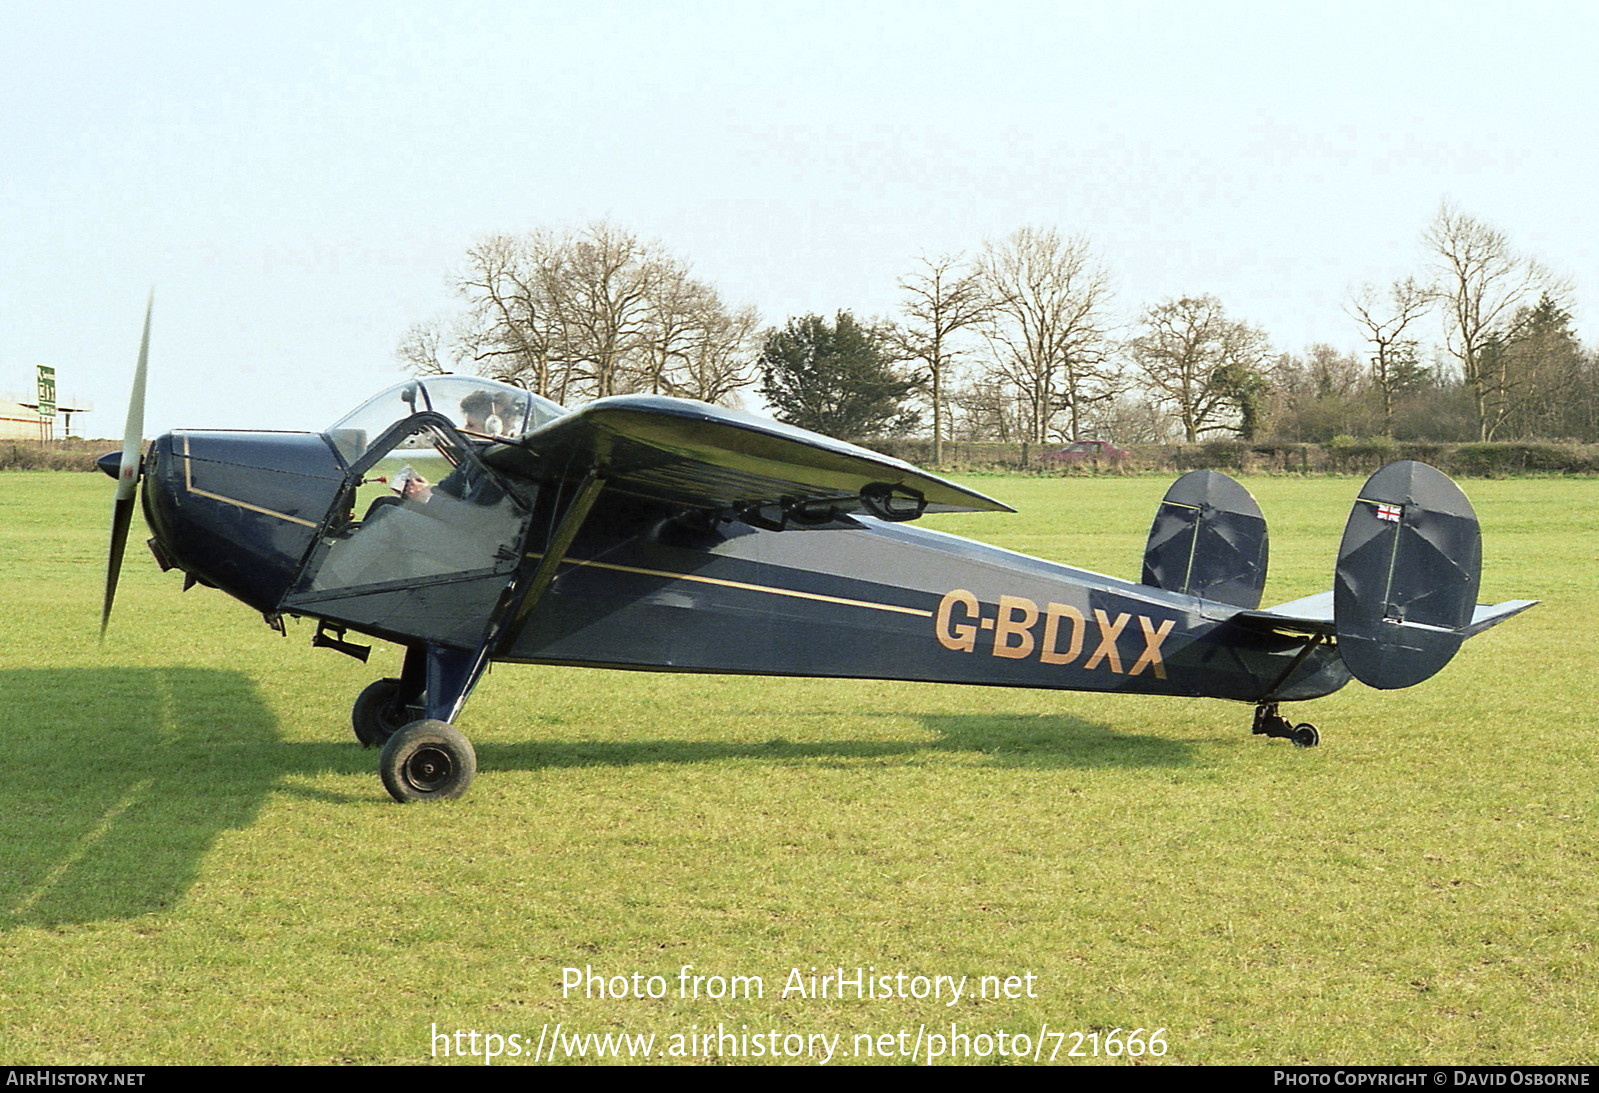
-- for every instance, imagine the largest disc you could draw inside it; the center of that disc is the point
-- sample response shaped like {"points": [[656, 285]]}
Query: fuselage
{"points": [[262, 516], [894, 601]]}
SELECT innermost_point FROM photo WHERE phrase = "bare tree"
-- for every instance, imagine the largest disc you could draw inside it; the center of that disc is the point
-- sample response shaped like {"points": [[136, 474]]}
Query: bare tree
{"points": [[693, 346], [1582, 413], [941, 299], [513, 330], [989, 407], [1482, 283], [423, 348], [609, 279], [1207, 368], [672, 327], [1131, 418], [1384, 316], [1333, 374], [721, 359], [1320, 394], [586, 314], [1047, 325]]}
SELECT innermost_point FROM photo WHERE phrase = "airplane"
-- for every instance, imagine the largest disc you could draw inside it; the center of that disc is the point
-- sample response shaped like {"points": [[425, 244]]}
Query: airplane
{"points": [[470, 522]]}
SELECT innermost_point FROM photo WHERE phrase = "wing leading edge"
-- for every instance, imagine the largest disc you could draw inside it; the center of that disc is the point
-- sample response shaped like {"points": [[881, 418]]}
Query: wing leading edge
{"points": [[710, 457]]}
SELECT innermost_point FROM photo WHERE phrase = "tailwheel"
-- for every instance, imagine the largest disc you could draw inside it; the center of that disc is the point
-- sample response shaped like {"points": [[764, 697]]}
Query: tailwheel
{"points": [[1270, 723], [427, 761], [378, 713]]}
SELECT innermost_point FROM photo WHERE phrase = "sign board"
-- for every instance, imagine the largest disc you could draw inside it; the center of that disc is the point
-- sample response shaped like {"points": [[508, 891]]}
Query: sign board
{"points": [[47, 391]]}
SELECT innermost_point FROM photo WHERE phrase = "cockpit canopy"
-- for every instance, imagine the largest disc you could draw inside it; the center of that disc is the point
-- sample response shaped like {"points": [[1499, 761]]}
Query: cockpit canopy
{"points": [[476, 406]]}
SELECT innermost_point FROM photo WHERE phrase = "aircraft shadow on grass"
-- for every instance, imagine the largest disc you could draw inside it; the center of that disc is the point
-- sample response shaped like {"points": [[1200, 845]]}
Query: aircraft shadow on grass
{"points": [[1045, 742], [122, 779]]}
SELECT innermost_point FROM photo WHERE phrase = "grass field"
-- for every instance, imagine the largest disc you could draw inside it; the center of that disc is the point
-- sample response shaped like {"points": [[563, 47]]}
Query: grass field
{"points": [[198, 864]]}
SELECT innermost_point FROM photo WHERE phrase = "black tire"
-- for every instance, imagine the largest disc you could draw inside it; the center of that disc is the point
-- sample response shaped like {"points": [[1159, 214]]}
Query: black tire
{"points": [[1305, 736], [427, 761], [378, 713]]}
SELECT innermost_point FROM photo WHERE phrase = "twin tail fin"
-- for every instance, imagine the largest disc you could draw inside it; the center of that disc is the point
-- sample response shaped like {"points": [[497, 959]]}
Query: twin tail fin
{"points": [[1404, 596]]}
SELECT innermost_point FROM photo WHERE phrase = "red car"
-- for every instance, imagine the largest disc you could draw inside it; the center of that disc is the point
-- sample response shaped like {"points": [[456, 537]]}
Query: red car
{"points": [[1089, 451]]}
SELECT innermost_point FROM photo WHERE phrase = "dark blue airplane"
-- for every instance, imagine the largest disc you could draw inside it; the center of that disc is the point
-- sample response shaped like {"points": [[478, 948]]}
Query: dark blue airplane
{"points": [[468, 521]]}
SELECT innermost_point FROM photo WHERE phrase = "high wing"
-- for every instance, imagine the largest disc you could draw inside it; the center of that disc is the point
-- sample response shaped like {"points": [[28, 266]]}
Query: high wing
{"points": [[712, 458]]}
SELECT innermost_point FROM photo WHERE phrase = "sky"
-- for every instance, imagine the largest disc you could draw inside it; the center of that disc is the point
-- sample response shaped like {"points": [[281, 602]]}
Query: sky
{"points": [[297, 182]]}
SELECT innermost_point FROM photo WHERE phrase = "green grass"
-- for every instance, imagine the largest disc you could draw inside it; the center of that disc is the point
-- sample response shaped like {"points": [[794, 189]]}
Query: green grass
{"points": [[198, 864]]}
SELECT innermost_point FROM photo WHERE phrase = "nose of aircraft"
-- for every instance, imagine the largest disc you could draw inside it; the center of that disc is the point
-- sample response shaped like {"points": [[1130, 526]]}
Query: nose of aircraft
{"points": [[238, 510]]}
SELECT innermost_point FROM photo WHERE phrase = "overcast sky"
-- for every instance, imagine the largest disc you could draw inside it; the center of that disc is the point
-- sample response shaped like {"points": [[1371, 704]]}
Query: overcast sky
{"points": [[297, 181]]}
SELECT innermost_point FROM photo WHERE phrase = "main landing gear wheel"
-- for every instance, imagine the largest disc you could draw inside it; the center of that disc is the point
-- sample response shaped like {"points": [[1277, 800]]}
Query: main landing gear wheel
{"points": [[378, 713], [427, 761], [1305, 736]]}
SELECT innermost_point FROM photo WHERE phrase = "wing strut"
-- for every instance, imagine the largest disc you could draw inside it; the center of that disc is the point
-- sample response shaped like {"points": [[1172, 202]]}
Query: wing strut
{"points": [[571, 522]]}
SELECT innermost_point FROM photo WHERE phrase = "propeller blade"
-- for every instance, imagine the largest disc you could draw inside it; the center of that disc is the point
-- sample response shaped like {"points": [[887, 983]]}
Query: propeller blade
{"points": [[127, 472]]}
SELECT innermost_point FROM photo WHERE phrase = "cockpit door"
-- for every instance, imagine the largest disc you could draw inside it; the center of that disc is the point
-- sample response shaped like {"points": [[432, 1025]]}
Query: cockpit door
{"points": [[427, 561]]}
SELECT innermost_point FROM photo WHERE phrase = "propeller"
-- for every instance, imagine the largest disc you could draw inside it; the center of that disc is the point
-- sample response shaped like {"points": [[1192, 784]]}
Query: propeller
{"points": [[127, 472]]}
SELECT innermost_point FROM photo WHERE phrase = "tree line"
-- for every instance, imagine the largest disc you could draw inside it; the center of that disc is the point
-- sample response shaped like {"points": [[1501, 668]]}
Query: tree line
{"points": [[1020, 342]]}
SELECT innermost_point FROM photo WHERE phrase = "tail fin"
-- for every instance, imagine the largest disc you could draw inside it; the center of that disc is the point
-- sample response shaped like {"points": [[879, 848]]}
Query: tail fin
{"points": [[1405, 591], [1208, 540], [1408, 569]]}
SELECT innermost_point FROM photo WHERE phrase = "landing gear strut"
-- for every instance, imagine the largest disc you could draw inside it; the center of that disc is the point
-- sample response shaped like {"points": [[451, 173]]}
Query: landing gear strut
{"points": [[425, 757], [1268, 722]]}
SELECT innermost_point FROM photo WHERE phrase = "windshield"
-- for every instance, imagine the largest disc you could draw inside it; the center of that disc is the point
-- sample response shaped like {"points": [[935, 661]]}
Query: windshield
{"points": [[477, 407]]}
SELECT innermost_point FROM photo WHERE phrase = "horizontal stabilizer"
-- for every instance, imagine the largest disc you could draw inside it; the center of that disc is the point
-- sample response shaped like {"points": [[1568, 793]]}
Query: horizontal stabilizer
{"points": [[710, 457], [1307, 617], [1313, 615], [1486, 615], [1208, 540]]}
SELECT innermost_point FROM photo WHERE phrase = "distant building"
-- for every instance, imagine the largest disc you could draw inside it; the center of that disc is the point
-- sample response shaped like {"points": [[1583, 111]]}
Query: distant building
{"points": [[18, 422]]}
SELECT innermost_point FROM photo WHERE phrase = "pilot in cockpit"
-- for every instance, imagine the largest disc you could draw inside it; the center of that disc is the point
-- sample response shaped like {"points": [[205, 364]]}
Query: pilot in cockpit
{"points": [[466, 482], [477, 412]]}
